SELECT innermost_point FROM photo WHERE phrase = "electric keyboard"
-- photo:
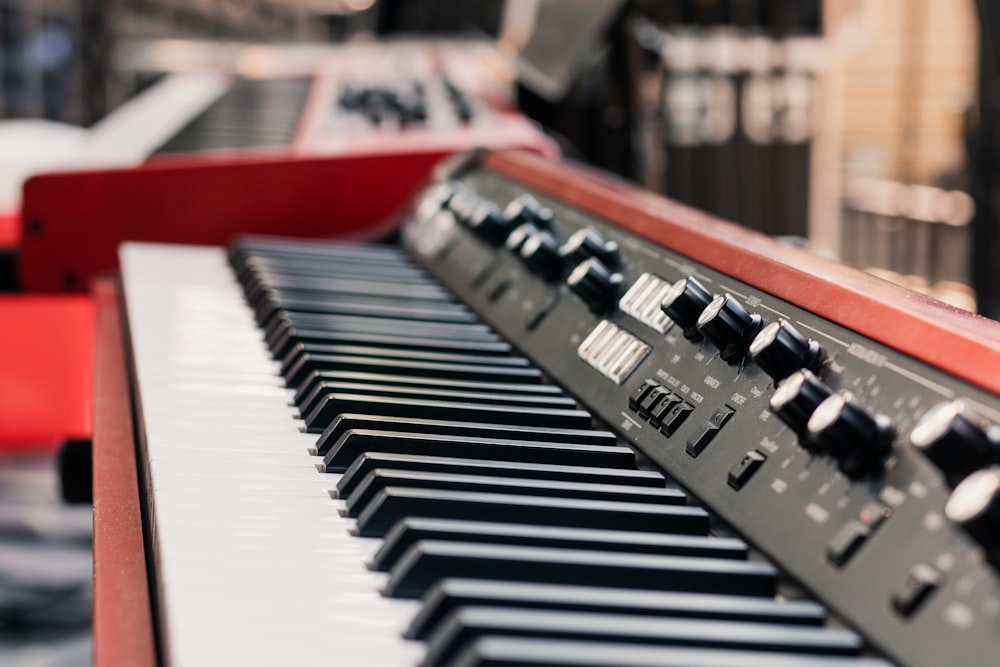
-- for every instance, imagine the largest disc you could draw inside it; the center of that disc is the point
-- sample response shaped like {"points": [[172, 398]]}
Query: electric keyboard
{"points": [[563, 422]]}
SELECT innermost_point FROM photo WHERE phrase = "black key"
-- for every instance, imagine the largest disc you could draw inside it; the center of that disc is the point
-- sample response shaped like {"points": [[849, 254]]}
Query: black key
{"points": [[477, 372], [380, 479], [513, 415], [465, 625], [292, 250], [394, 503], [451, 594], [378, 325], [301, 349], [285, 322], [311, 390], [274, 285], [283, 344], [263, 271], [413, 310], [470, 429], [433, 394], [354, 443], [500, 651], [369, 461], [411, 530], [429, 561]]}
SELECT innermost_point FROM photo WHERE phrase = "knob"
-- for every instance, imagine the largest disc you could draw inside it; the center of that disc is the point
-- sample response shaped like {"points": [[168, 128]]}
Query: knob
{"points": [[728, 326], [859, 441], [975, 505], [780, 350], [795, 400], [515, 240], [435, 198], [488, 223], [462, 203], [526, 208], [586, 243], [955, 438], [684, 302], [540, 253], [594, 282]]}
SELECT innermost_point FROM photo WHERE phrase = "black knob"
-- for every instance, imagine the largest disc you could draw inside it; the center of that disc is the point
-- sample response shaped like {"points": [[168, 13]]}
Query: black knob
{"points": [[526, 208], [515, 240], [780, 350], [956, 439], [488, 223], [586, 243], [595, 283], [729, 326], [795, 400], [859, 441], [975, 505], [540, 253], [435, 198], [463, 203], [684, 302]]}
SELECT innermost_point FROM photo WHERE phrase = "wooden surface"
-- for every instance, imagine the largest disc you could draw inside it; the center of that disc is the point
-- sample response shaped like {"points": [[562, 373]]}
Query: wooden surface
{"points": [[123, 623]]}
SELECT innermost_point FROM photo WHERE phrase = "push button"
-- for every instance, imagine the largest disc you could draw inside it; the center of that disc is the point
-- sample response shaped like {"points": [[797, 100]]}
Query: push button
{"points": [[662, 410], [641, 393], [745, 468], [675, 417], [701, 438], [846, 542], [920, 583], [651, 400]]}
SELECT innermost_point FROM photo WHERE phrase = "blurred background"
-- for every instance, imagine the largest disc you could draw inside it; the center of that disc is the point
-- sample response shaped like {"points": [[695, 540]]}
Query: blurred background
{"points": [[867, 131], [860, 128]]}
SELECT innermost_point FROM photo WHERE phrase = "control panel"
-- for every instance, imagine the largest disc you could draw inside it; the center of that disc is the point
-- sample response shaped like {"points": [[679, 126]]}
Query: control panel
{"points": [[869, 476]]}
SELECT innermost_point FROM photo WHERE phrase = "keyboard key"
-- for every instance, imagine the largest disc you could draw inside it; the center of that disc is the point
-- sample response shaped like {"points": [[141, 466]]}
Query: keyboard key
{"points": [[411, 530], [394, 503], [451, 594], [369, 461], [356, 442], [469, 623], [428, 562]]}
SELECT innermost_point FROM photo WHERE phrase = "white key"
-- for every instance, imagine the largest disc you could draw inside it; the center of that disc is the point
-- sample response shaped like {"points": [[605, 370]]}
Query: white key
{"points": [[254, 563]]}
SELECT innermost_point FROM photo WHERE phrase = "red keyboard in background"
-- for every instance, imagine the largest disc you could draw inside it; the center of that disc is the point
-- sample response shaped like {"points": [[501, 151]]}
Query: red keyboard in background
{"points": [[46, 367]]}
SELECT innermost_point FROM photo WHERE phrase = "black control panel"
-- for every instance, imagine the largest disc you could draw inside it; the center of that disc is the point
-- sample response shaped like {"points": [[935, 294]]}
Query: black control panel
{"points": [[868, 476]]}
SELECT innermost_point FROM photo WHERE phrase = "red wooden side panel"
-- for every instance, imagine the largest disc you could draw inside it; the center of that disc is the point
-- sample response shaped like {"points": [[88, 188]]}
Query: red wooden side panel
{"points": [[123, 625], [46, 357]]}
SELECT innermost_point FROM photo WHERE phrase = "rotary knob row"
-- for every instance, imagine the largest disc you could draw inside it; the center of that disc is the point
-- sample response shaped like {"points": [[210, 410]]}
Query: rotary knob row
{"points": [[720, 319], [778, 348], [589, 258], [484, 217], [833, 423]]}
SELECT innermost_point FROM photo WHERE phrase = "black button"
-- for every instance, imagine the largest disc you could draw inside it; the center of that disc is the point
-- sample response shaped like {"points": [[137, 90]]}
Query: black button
{"points": [[697, 443], [673, 419], [846, 542], [721, 416], [651, 400], [662, 410], [920, 583], [741, 473], [701, 438], [636, 398]]}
